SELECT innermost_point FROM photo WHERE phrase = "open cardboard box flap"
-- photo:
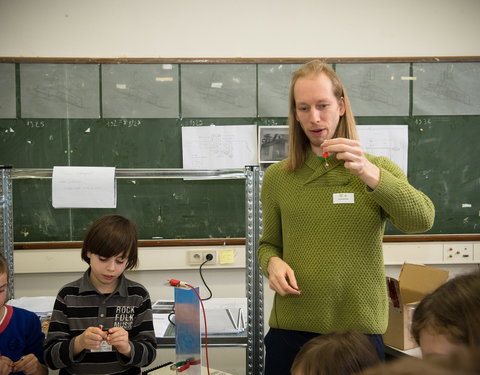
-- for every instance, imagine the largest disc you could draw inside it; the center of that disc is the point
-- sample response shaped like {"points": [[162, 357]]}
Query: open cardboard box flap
{"points": [[416, 281]]}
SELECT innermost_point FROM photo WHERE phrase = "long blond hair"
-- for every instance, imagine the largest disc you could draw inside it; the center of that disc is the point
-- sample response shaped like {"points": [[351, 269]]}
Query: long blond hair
{"points": [[298, 142]]}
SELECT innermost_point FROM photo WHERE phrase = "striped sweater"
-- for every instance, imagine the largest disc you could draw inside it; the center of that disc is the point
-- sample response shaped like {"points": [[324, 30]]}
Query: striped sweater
{"points": [[335, 249], [79, 306]]}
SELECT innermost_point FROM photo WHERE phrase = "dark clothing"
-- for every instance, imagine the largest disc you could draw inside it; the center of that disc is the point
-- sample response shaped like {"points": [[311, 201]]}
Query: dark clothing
{"points": [[21, 334]]}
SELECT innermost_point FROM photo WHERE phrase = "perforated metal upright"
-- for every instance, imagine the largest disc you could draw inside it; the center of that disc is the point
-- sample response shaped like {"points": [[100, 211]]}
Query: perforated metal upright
{"points": [[254, 280], [6, 222]]}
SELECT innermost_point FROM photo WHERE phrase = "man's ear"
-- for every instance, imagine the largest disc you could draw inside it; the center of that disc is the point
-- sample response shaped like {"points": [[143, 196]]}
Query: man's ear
{"points": [[341, 104]]}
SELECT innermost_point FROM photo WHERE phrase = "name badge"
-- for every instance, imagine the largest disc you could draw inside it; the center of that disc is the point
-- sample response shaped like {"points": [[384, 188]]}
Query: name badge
{"points": [[104, 347], [343, 198]]}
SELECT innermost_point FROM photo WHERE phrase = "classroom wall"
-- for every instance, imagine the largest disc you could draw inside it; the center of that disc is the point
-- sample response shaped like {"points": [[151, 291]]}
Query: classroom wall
{"points": [[230, 29], [248, 28], [42, 272]]}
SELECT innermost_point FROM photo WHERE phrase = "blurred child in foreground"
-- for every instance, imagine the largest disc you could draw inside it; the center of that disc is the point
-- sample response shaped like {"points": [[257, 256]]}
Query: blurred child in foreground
{"points": [[335, 353], [21, 336], [448, 319]]}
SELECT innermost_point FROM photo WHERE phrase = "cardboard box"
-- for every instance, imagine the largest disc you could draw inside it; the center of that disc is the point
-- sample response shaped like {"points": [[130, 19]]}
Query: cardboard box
{"points": [[415, 281]]}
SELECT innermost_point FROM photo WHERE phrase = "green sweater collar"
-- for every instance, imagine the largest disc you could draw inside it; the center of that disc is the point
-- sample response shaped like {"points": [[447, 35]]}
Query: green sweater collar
{"points": [[318, 166]]}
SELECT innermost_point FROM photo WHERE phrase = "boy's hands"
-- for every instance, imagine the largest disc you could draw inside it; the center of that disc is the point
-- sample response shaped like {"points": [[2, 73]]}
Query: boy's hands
{"points": [[92, 337], [89, 339], [118, 337], [5, 365], [29, 365]]}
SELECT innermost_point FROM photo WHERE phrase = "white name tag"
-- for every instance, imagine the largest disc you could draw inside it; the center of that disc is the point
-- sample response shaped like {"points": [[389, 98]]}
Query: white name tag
{"points": [[343, 198], [104, 347]]}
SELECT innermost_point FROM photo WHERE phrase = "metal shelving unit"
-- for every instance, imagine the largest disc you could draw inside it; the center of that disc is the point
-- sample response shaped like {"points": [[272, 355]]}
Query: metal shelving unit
{"points": [[254, 281]]}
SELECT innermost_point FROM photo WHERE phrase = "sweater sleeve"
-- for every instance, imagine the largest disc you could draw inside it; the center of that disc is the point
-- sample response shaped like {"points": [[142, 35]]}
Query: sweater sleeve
{"points": [[142, 336], [35, 338], [409, 209], [57, 344], [271, 241]]}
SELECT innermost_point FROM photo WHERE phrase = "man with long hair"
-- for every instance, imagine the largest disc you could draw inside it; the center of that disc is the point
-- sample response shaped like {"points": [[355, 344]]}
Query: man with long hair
{"points": [[324, 214]]}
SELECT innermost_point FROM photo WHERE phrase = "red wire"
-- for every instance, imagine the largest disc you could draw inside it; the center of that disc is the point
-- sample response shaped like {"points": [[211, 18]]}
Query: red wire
{"points": [[205, 322]]}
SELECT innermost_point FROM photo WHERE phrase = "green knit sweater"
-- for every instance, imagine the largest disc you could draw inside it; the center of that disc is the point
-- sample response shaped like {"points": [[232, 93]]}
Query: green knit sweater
{"points": [[335, 250]]}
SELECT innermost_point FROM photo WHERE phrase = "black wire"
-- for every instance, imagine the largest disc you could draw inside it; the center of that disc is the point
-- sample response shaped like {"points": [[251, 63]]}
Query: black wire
{"points": [[156, 367], [204, 283], [170, 317], [203, 299]]}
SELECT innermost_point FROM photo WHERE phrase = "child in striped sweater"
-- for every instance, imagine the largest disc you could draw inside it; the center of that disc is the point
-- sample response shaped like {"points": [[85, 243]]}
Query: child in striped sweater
{"points": [[102, 322]]}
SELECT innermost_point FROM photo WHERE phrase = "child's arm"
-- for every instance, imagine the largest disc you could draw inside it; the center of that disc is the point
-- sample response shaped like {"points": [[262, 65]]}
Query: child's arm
{"points": [[58, 348], [141, 337], [31, 362]]}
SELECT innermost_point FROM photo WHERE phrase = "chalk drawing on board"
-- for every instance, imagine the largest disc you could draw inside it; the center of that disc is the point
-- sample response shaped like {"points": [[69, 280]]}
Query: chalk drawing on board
{"points": [[446, 89], [376, 89], [227, 90], [219, 147], [273, 89], [7, 91], [390, 141], [140, 91], [60, 91], [60, 95]]}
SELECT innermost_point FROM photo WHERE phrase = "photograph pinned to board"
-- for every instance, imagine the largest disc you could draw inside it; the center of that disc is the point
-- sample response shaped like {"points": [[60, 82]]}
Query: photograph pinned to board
{"points": [[272, 144]]}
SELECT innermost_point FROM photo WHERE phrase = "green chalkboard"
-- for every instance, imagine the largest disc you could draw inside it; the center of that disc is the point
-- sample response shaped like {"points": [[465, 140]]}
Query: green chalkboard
{"points": [[443, 164], [162, 208], [130, 115]]}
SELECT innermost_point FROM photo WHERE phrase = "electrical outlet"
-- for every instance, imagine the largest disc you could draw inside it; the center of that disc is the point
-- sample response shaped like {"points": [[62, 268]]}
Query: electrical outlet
{"points": [[197, 257], [457, 253]]}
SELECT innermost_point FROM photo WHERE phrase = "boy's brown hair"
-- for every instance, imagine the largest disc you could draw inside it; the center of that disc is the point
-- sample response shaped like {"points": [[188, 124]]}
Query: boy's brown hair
{"points": [[112, 235], [453, 309]]}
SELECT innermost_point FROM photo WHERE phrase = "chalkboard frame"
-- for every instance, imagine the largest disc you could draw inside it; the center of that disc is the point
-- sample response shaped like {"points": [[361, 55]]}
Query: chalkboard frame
{"points": [[280, 60]]}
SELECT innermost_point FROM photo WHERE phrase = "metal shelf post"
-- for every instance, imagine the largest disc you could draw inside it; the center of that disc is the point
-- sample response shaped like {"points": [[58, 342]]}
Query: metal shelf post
{"points": [[6, 221]]}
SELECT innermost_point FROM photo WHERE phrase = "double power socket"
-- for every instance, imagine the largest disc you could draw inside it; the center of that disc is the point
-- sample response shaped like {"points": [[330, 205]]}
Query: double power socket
{"points": [[197, 257]]}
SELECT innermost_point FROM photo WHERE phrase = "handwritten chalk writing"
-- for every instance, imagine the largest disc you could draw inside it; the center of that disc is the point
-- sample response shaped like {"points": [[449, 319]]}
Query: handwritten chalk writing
{"points": [[267, 121], [123, 123], [423, 121], [193, 122], [35, 124]]}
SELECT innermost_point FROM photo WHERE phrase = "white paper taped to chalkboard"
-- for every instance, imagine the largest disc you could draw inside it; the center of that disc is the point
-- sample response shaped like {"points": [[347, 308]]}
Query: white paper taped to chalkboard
{"points": [[84, 187]]}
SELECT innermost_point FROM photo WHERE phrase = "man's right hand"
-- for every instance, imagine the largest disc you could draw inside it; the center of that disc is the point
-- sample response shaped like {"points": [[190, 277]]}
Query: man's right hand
{"points": [[281, 277]]}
